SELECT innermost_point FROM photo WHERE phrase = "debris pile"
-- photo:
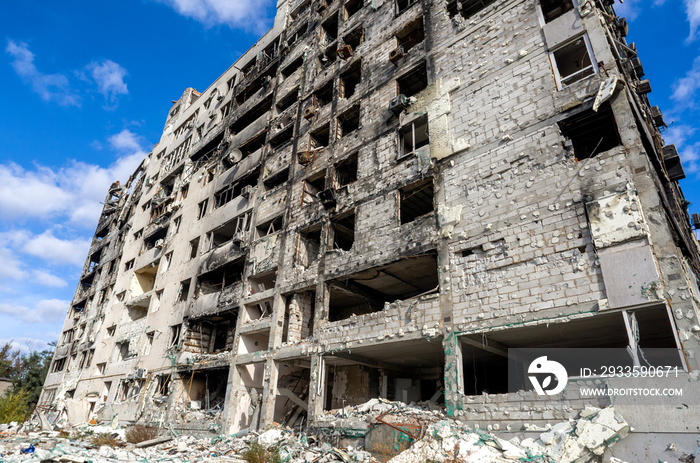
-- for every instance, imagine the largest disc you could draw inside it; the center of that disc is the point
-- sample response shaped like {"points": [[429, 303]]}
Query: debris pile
{"points": [[437, 438]]}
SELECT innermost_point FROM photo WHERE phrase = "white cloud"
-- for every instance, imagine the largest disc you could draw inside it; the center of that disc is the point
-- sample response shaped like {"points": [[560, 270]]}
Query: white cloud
{"points": [[12, 267], [692, 11], [109, 77], [47, 279], [30, 193], [57, 251], [50, 87], [684, 88], [630, 9], [126, 140], [74, 191], [247, 14], [44, 311], [679, 134]]}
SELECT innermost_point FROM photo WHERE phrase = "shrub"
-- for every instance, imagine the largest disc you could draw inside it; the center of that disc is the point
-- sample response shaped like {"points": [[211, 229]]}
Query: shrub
{"points": [[110, 440], [140, 433], [256, 453], [13, 406]]}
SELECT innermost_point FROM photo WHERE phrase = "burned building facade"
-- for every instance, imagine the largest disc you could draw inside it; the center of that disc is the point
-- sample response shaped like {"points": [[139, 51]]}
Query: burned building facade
{"points": [[379, 199]]}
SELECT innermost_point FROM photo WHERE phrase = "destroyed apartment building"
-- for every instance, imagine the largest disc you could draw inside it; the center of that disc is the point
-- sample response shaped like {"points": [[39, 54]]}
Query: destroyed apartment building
{"points": [[378, 200]]}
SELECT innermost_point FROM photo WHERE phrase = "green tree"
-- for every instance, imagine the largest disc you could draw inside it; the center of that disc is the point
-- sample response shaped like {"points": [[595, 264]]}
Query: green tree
{"points": [[27, 373]]}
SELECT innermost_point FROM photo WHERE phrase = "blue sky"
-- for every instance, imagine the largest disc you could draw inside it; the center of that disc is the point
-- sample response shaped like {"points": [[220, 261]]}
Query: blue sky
{"points": [[88, 87]]}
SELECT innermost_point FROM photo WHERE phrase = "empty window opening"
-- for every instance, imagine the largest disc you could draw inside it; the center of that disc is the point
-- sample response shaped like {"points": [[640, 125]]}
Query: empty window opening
{"points": [[297, 35], [368, 290], [202, 209], [573, 61], [349, 80], [288, 100], [143, 280], [552, 9], [321, 136], [235, 230], [58, 365], [283, 137], [222, 277], [342, 231], [302, 8], [207, 389], [403, 5], [194, 247], [328, 56], [410, 372], [330, 28], [174, 340], [299, 316], [258, 311], [252, 115], [210, 335], [416, 200], [308, 245], [314, 184], [253, 342], [413, 136], [487, 370], [277, 179], [111, 330], [138, 310], [242, 187], [101, 367], [349, 121], [149, 342], [156, 239], [156, 301], [263, 282], [262, 82], [249, 66], [355, 37], [412, 82], [205, 151], [345, 171], [411, 35], [269, 53], [324, 95], [123, 351], [102, 232], [271, 226], [94, 260], [591, 132], [292, 392], [162, 385], [253, 145], [184, 290], [289, 69], [351, 7]]}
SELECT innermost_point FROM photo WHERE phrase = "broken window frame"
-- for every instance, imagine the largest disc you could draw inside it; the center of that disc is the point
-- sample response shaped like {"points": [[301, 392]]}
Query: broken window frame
{"points": [[175, 335], [339, 235], [340, 176], [579, 75], [413, 127], [406, 192], [202, 209]]}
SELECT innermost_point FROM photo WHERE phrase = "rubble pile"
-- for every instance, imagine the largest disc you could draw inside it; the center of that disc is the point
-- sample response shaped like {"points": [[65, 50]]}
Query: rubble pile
{"points": [[573, 441], [443, 440]]}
